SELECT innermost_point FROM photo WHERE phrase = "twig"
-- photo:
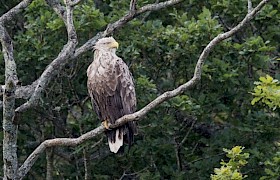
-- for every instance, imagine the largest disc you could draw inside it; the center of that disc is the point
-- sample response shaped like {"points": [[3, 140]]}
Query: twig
{"points": [[208, 157], [132, 6], [178, 146], [187, 135], [132, 174]]}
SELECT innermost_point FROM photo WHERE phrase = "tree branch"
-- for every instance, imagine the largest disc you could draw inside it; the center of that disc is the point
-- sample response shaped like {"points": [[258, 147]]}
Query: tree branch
{"points": [[15, 10], [28, 163], [122, 21], [249, 6], [58, 8], [53, 69], [74, 2], [132, 6], [22, 92]]}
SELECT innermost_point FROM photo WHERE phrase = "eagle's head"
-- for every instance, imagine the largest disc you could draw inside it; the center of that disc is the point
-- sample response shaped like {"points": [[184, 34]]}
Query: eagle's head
{"points": [[107, 44]]}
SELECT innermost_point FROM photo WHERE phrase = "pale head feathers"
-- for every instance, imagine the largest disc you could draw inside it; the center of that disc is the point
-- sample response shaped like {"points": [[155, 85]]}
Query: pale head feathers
{"points": [[107, 43]]}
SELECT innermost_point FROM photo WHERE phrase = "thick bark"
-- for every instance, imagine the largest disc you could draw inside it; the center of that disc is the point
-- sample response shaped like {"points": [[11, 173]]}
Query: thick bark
{"points": [[9, 127]]}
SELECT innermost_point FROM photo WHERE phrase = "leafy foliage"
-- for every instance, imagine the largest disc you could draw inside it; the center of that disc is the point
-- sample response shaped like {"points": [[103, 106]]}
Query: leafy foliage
{"points": [[267, 91], [231, 169], [272, 169]]}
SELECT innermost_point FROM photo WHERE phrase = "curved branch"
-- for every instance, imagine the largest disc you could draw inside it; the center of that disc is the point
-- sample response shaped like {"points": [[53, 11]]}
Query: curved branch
{"points": [[28, 163], [198, 69], [139, 114]]}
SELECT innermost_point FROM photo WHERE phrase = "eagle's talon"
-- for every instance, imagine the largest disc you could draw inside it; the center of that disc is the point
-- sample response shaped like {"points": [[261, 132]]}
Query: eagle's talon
{"points": [[106, 124]]}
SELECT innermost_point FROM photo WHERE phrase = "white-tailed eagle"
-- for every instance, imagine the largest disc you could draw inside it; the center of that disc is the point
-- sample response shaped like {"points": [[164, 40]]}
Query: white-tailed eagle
{"points": [[111, 88]]}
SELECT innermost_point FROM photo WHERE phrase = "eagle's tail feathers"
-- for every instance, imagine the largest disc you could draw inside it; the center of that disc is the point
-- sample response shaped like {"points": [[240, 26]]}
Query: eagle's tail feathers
{"points": [[115, 146]]}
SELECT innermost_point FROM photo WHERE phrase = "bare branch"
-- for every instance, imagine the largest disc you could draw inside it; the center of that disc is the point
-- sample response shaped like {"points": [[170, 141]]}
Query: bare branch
{"points": [[198, 70], [148, 13], [122, 21], [28, 163], [23, 92], [139, 114], [74, 2], [56, 64], [187, 135], [58, 8], [12, 12], [249, 6], [1, 104], [132, 6], [86, 163]]}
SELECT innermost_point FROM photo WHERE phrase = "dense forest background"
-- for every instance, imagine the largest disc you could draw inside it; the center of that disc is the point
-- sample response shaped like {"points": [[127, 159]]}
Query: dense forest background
{"points": [[184, 137]]}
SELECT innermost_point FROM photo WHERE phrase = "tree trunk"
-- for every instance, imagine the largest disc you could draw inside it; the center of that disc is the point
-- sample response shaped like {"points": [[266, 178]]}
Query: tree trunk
{"points": [[9, 127]]}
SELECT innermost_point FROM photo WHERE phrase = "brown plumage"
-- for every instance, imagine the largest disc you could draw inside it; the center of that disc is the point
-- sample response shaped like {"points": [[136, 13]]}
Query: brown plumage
{"points": [[111, 88]]}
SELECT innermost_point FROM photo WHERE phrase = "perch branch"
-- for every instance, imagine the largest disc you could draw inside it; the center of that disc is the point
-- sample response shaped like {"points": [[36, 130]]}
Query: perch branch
{"points": [[28, 163]]}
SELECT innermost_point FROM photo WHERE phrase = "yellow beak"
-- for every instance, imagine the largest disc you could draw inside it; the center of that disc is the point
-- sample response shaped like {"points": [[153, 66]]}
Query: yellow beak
{"points": [[114, 44]]}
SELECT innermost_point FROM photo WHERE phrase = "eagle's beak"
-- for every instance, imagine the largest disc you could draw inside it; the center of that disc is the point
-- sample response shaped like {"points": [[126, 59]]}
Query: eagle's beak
{"points": [[114, 44]]}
